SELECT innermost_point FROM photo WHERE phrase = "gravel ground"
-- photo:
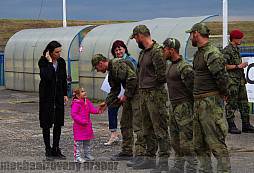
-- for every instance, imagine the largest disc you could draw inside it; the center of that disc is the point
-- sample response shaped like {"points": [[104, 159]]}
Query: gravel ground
{"points": [[22, 147]]}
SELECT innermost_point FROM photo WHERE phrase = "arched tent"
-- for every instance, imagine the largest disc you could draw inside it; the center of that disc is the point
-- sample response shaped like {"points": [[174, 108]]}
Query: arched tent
{"points": [[101, 38], [24, 49]]}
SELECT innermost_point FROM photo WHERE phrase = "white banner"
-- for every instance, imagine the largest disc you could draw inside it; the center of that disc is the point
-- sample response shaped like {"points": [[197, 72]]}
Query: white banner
{"points": [[249, 75]]}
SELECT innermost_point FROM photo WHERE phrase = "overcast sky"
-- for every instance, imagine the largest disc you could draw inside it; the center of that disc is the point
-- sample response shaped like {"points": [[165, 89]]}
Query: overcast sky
{"points": [[92, 10]]}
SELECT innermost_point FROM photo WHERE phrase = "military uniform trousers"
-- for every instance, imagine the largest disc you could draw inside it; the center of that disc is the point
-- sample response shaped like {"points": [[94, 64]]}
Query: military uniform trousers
{"points": [[237, 96], [181, 133], [209, 134], [155, 122], [131, 121]]}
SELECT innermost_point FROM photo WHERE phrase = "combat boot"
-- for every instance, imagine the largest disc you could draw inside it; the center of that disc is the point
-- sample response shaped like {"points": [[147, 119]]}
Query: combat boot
{"points": [[162, 166], [247, 127], [121, 156], [134, 161], [145, 164], [233, 129]]}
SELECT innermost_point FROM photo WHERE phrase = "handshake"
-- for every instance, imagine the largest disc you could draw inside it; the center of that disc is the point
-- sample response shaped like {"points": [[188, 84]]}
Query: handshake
{"points": [[103, 106]]}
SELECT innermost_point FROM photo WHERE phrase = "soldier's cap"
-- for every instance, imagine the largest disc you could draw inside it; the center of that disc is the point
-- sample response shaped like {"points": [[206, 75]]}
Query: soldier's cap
{"points": [[171, 43], [236, 34], [139, 29], [95, 60], [202, 28]]}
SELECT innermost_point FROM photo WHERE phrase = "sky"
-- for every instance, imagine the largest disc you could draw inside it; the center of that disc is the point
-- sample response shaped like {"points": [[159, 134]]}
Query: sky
{"points": [[96, 10]]}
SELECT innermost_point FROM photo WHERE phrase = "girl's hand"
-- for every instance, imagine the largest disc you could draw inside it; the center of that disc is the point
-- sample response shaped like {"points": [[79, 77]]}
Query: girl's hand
{"points": [[99, 111], [48, 57]]}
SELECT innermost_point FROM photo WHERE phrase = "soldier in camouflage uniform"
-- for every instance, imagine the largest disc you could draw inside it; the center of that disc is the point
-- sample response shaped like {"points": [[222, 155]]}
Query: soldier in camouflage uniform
{"points": [[151, 73], [122, 71], [210, 86], [237, 89], [180, 77]]}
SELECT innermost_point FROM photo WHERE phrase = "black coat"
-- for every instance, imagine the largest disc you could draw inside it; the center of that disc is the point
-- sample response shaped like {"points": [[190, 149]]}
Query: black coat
{"points": [[52, 89]]}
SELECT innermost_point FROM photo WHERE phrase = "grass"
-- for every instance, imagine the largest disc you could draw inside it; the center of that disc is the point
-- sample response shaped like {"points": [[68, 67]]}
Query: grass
{"points": [[247, 27], [10, 26]]}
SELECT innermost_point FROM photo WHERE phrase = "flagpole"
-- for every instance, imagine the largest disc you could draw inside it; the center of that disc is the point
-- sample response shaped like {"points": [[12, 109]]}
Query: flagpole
{"points": [[64, 13], [225, 23]]}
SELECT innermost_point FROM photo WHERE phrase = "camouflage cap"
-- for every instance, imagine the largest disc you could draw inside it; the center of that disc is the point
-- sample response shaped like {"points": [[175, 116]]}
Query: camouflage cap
{"points": [[171, 43], [139, 29], [202, 28], [95, 60]]}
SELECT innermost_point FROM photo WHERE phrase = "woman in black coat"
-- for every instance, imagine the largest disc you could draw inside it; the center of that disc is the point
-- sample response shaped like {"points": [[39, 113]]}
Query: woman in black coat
{"points": [[52, 97]]}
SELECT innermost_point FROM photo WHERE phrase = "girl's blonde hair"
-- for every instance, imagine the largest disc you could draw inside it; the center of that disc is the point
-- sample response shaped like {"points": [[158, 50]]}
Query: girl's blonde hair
{"points": [[76, 91]]}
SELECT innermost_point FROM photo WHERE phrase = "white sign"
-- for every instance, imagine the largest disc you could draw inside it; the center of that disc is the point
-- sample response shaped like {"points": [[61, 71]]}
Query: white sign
{"points": [[249, 75]]}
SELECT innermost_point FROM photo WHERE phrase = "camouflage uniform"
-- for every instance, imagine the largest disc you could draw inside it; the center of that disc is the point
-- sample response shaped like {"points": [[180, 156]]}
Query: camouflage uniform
{"points": [[122, 71], [181, 115], [209, 129], [153, 106], [237, 89]]}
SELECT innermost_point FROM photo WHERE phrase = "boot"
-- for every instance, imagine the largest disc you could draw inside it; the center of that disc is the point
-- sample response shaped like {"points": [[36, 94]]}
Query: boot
{"points": [[134, 161], [145, 164], [48, 154], [121, 156], [56, 152], [247, 127], [162, 166], [233, 129]]}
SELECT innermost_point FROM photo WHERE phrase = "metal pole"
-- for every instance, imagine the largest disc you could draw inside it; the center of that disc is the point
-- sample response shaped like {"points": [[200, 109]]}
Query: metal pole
{"points": [[225, 23], [64, 13]]}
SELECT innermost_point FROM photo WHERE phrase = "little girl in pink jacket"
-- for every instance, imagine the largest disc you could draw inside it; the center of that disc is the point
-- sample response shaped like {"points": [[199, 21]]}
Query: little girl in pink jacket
{"points": [[82, 126]]}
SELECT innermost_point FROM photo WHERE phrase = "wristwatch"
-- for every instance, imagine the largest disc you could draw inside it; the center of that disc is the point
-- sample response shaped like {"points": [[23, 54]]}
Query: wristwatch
{"points": [[236, 67]]}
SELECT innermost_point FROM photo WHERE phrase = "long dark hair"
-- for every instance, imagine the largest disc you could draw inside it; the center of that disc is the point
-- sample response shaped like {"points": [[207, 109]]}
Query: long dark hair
{"points": [[51, 46], [116, 44]]}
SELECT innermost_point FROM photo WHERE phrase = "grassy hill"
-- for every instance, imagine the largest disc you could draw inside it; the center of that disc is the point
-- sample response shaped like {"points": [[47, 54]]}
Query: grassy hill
{"points": [[10, 26]]}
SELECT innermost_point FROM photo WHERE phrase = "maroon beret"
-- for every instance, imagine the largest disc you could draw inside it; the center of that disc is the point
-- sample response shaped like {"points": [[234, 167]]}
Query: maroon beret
{"points": [[236, 34]]}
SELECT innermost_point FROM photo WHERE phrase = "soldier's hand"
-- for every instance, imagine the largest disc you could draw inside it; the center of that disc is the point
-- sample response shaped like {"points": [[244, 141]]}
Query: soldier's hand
{"points": [[103, 107], [243, 65], [122, 98]]}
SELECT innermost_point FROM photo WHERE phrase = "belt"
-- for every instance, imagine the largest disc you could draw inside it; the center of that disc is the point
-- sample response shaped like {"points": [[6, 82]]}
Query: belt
{"points": [[153, 88], [206, 95], [176, 103]]}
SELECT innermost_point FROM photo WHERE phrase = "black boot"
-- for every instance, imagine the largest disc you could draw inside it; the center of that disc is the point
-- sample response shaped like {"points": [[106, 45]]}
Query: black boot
{"points": [[162, 166], [134, 161], [145, 164], [121, 156], [233, 129], [48, 154], [247, 128], [56, 152]]}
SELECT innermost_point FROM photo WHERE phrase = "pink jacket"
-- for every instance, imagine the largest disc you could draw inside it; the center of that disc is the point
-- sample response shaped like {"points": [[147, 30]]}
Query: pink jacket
{"points": [[82, 126]]}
